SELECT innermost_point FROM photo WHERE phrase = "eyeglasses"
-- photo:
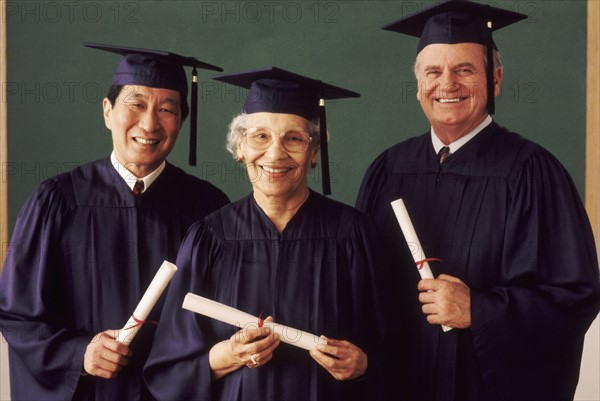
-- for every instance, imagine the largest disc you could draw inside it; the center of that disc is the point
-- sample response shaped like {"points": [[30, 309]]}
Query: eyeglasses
{"points": [[292, 141]]}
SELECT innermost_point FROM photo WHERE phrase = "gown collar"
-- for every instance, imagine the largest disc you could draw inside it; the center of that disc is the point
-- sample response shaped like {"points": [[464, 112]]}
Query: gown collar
{"points": [[130, 179], [454, 146]]}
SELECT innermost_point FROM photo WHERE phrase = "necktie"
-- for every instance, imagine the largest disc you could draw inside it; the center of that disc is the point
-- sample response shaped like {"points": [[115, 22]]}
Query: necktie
{"points": [[443, 154], [138, 188]]}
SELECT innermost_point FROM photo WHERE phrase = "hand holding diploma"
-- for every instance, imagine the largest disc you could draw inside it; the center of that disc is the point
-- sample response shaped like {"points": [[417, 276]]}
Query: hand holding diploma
{"points": [[415, 247], [342, 359], [235, 317], [108, 352], [446, 300], [104, 356], [252, 347]]}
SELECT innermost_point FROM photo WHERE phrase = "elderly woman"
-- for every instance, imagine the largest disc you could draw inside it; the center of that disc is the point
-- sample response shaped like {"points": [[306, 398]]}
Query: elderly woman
{"points": [[284, 251]]}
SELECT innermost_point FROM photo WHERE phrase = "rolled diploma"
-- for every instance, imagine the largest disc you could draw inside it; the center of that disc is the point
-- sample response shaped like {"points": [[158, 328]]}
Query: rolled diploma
{"points": [[236, 317], [412, 240], [160, 281]]}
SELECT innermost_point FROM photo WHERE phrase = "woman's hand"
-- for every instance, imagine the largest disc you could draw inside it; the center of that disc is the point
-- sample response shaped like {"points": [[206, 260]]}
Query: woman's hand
{"points": [[252, 347], [344, 360]]}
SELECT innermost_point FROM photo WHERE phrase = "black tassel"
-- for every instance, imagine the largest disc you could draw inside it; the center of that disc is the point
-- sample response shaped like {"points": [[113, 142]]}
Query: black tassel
{"points": [[324, 152], [193, 117], [491, 104]]}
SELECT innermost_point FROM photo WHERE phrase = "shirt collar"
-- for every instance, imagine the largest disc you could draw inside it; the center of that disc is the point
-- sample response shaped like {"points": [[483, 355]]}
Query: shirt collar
{"points": [[454, 146], [130, 178]]}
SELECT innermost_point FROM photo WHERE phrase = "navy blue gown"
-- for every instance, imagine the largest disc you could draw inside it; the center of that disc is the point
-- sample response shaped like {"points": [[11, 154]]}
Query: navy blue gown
{"points": [[504, 217], [81, 256], [319, 275]]}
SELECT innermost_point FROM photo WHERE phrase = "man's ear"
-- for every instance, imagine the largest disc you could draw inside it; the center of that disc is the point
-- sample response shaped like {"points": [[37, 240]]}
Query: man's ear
{"points": [[497, 81], [106, 110]]}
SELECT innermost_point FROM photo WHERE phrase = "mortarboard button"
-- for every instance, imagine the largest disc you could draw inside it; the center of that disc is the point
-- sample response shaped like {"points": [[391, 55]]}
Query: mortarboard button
{"points": [[159, 69], [274, 90]]}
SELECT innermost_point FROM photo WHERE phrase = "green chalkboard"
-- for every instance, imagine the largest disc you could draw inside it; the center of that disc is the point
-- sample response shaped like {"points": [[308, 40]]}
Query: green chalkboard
{"points": [[55, 85]]}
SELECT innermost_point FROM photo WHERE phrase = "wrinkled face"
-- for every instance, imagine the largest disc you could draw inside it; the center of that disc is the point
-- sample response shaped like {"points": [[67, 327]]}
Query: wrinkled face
{"points": [[276, 171], [452, 86], [145, 123]]}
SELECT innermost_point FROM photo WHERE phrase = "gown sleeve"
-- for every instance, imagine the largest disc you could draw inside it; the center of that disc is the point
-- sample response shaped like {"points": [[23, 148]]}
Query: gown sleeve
{"points": [[46, 354], [528, 330], [369, 294], [178, 367]]}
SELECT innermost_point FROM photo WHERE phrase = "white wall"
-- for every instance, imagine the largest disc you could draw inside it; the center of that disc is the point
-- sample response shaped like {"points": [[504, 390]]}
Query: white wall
{"points": [[4, 386], [589, 379]]}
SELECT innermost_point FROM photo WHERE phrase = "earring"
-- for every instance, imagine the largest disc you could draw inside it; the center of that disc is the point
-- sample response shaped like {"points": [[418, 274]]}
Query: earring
{"points": [[239, 159], [313, 165]]}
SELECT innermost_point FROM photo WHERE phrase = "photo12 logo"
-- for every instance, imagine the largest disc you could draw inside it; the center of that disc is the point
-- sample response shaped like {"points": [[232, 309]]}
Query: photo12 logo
{"points": [[52, 92], [52, 12], [270, 11]]}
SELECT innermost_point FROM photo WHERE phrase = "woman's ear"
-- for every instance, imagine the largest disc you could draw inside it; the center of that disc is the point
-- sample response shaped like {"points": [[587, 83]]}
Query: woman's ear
{"points": [[314, 158], [239, 154]]}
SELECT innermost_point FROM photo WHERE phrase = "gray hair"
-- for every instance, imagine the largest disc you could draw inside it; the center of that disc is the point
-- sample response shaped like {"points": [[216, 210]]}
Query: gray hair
{"points": [[240, 123], [495, 54]]}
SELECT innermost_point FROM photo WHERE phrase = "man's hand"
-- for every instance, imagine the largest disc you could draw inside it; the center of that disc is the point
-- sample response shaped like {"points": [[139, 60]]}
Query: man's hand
{"points": [[104, 356], [446, 301]]}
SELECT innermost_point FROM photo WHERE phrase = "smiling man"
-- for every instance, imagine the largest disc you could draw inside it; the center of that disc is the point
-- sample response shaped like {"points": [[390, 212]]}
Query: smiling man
{"points": [[452, 82], [516, 267], [87, 243], [145, 123]]}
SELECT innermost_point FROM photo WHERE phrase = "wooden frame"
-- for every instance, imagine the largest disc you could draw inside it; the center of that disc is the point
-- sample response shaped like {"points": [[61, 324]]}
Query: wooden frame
{"points": [[592, 157], [3, 142]]}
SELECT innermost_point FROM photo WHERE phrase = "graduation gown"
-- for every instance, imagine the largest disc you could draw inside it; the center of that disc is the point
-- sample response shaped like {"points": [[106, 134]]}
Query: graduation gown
{"points": [[319, 275], [82, 254], [504, 217]]}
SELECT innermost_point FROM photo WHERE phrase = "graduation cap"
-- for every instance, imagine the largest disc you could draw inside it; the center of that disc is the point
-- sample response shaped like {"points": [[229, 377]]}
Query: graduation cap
{"points": [[459, 21], [159, 69], [274, 90]]}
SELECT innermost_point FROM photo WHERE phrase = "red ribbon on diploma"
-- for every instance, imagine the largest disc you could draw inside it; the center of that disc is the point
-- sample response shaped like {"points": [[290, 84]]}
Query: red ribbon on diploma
{"points": [[261, 322], [420, 263], [139, 322]]}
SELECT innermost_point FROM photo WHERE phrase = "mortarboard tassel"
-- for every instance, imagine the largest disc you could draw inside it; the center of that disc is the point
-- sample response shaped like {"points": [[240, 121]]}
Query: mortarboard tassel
{"points": [[491, 104], [193, 117], [324, 152]]}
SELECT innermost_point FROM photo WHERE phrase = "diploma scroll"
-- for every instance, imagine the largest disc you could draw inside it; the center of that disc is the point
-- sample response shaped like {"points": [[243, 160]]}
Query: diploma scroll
{"points": [[412, 240], [160, 281], [236, 317]]}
